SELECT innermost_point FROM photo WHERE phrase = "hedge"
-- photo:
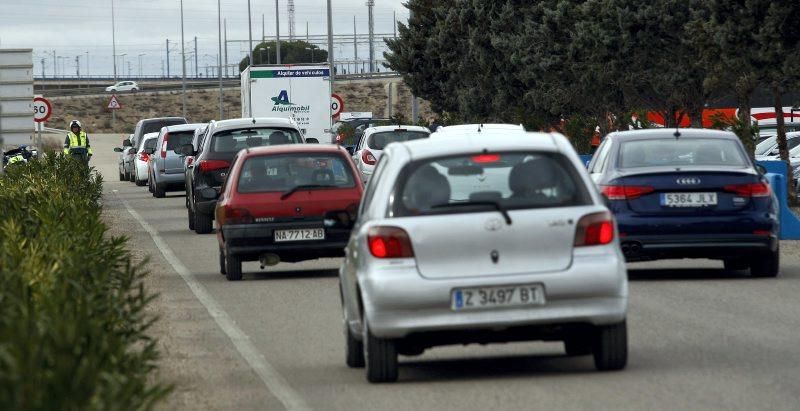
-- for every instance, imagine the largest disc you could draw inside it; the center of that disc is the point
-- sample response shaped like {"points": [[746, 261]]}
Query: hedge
{"points": [[73, 318]]}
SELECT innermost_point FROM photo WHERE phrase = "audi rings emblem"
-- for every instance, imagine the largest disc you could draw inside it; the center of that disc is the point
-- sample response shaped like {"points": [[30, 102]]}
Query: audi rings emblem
{"points": [[688, 181], [493, 224]]}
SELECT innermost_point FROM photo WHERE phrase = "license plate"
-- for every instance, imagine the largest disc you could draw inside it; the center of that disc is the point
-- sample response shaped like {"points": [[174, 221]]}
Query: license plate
{"points": [[688, 199], [305, 234], [490, 297]]}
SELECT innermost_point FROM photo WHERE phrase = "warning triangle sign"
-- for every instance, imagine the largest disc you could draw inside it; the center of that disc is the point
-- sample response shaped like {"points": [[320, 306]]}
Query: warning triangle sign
{"points": [[113, 104]]}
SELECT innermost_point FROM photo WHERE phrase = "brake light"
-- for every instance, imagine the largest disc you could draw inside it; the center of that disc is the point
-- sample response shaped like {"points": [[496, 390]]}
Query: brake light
{"points": [[164, 146], [625, 192], [486, 158], [389, 242], [368, 158], [144, 157], [749, 190], [211, 165], [237, 216], [594, 229]]}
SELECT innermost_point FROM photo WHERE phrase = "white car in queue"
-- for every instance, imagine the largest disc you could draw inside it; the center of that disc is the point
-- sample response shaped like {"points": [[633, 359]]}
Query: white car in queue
{"points": [[147, 149], [375, 139], [467, 239]]}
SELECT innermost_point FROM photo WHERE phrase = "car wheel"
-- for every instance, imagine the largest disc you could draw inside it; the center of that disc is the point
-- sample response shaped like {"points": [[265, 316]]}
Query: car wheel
{"points": [[767, 265], [354, 349], [203, 224], [140, 183], [125, 176], [121, 176], [233, 267], [132, 177], [735, 264], [576, 346], [191, 220], [222, 269], [611, 347], [150, 184], [134, 90], [158, 191], [380, 357]]}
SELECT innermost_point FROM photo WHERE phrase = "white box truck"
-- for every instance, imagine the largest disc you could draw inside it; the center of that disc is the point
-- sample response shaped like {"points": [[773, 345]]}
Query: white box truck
{"points": [[301, 92], [16, 97]]}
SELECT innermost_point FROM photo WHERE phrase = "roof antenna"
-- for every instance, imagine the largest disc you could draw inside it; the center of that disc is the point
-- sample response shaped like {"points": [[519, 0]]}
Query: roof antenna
{"points": [[677, 132], [254, 120]]}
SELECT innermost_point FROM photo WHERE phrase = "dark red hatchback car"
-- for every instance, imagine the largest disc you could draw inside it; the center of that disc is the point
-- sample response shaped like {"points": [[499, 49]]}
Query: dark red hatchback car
{"points": [[286, 204]]}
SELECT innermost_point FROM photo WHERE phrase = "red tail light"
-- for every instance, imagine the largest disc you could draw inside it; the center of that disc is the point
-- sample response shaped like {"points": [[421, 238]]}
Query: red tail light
{"points": [[211, 165], [625, 192], [144, 157], [368, 158], [486, 158], [389, 242], [164, 146], [749, 190], [594, 229], [237, 216]]}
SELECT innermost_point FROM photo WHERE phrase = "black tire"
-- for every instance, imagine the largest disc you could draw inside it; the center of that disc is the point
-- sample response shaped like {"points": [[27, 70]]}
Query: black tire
{"points": [[125, 176], [222, 268], [203, 224], [380, 357], [158, 191], [736, 264], [191, 218], [233, 267], [767, 265], [132, 176], [121, 176], [611, 347], [354, 349], [140, 183], [577, 346]]}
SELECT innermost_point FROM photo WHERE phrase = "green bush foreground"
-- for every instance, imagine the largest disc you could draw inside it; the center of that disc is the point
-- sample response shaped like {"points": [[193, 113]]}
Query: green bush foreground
{"points": [[72, 304]]}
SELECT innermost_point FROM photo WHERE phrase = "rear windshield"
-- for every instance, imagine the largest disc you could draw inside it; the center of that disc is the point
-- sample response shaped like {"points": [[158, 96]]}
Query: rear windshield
{"points": [[231, 141], [681, 152], [284, 172], [481, 182], [156, 126], [378, 141], [179, 138], [150, 143]]}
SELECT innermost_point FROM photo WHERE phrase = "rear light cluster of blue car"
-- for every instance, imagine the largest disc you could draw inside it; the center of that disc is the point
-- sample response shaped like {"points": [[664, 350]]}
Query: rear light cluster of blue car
{"points": [[389, 242], [594, 229], [749, 190], [625, 192]]}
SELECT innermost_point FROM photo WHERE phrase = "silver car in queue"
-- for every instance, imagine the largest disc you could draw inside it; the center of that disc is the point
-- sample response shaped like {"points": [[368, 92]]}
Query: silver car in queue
{"points": [[478, 237]]}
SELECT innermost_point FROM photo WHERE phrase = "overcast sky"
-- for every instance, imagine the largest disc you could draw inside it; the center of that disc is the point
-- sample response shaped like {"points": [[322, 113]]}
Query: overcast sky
{"points": [[74, 27]]}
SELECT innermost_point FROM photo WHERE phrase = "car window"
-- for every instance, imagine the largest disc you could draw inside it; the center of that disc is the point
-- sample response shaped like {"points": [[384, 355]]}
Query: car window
{"points": [[601, 157], [373, 183], [378, 141], [272, 173], [156, 126], [179, 138], [231, 141], [473, 183], [150, 143], [681, 152], [765, 146]]}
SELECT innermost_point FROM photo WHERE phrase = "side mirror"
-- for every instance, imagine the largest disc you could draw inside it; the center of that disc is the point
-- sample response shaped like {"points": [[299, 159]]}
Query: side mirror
{"points": [[312, 140], [117, 149], [131, 150], [339, 219], [127, 143], [761, 169], [186, 150]]}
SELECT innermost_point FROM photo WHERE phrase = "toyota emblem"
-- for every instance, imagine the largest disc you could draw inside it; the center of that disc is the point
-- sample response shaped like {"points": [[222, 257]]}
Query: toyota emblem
{"points": [[493, 224], [687, 181]]}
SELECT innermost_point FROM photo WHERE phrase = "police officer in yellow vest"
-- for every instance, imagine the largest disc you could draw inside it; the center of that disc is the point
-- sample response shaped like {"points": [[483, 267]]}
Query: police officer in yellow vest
{"points": [[76, 138]]}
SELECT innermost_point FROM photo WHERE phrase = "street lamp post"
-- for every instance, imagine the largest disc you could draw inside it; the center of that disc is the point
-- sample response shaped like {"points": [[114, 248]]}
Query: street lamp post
{"points": [[140, 63], [250, 54], [330, 43], [183, 63], [219, 57], [113, 45]]}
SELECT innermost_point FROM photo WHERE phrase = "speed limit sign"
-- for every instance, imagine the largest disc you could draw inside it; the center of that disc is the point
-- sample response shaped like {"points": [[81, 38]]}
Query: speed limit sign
{"points": [[41, 109], [337, 105]]}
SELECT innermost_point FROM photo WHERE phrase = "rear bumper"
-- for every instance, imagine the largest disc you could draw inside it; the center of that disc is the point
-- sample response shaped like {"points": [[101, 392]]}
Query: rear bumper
{"points": [[645, 248], [251, 241], [176, 179]]}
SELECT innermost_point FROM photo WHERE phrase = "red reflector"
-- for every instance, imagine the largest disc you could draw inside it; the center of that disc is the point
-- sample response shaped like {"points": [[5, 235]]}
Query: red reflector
{"points": [[762, 232], [189, 160], [625, 192], [389, 242], [237, 216], [164, 146], [144, 157], [368, 158], [594, 229], [749, 190], [211, 165], [486, 158]]}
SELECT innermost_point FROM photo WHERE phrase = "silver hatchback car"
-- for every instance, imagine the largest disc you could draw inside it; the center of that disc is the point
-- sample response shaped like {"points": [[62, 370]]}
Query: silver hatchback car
{"points": [[479, 237]]}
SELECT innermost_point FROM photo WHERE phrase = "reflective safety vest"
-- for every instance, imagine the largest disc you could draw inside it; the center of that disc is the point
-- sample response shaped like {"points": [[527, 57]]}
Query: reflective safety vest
{"points": [[77, 141], [16, 159]]}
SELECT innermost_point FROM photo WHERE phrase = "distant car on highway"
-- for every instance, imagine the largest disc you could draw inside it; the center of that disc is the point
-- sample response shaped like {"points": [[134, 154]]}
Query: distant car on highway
{"points": [[166, 168], [697, 195], [131, 86], [213, 159], [493, 239], [282, 203], [369, 148], [142, 157]]}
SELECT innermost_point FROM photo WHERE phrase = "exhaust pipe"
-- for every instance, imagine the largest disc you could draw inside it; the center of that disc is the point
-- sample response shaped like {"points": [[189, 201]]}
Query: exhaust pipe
{"points": [[631, 248], [268, 260]]}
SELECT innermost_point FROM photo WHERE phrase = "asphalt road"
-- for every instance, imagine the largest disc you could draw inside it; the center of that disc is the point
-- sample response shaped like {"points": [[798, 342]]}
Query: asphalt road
{"points": [[700, 337]]}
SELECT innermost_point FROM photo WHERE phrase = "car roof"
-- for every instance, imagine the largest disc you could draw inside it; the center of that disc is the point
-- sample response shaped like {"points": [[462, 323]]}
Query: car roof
{"points": [[295, 149], [257, 121], [154, 119], [474, 141], [380, 129], [185, 127], [666, 133], [150, 135], [488, 126]]}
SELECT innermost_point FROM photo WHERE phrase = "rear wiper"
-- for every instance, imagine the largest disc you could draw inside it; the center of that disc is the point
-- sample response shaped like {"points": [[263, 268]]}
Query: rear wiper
{"points": [[295, 189], [494, 204]]}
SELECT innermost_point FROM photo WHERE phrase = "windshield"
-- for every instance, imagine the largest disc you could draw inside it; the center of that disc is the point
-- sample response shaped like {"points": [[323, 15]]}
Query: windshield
{"points": [[150, 143], [681, 152], [284, 172], [231, 141], [489, 181], [156, 126], [379, 141], [179, 138]]}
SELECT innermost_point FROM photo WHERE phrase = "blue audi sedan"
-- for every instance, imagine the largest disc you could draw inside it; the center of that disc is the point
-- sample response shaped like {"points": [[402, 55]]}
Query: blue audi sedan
{"points": [[689, 193]]}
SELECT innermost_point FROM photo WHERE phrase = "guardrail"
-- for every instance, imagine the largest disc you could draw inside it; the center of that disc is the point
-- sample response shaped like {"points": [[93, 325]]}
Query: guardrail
{"points": [[80, 91]]}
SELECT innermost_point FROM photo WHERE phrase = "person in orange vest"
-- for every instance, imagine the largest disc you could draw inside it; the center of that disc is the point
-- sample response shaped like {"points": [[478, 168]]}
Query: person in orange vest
{"points": [[596, 139]]}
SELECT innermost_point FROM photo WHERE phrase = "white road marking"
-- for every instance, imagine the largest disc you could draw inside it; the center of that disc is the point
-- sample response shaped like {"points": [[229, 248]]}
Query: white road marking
{"points": [[275, 383]]}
